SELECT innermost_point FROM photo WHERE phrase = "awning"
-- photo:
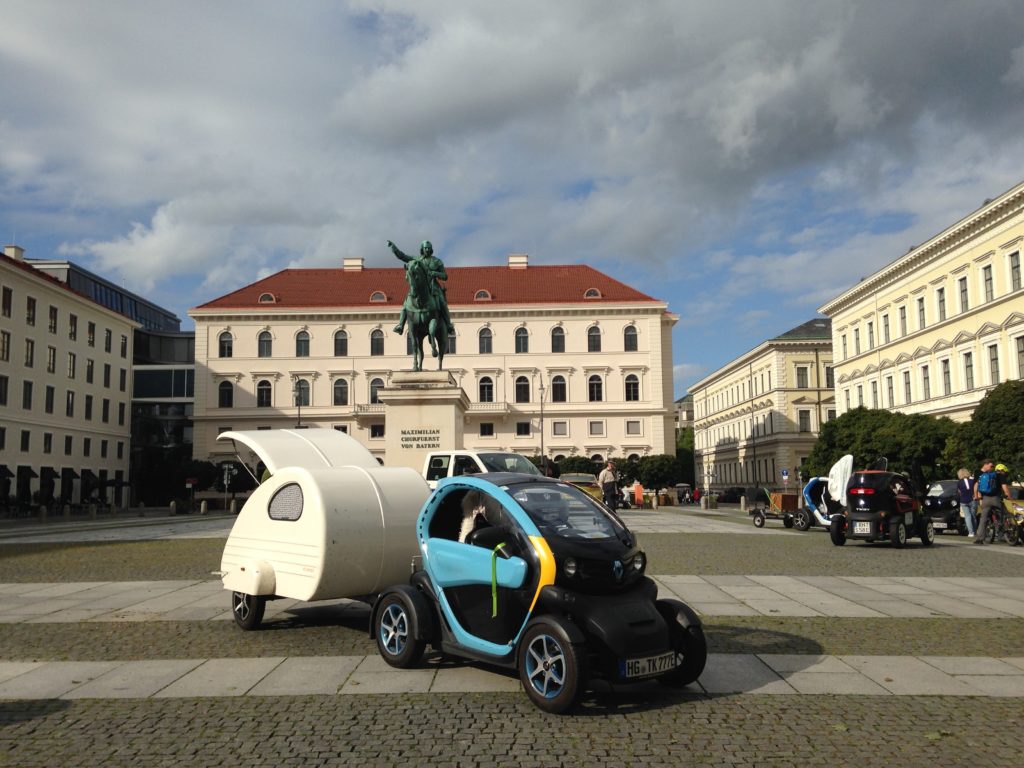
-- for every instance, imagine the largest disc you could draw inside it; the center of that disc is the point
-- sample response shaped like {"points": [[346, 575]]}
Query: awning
{"points": [[5, 473], [69, 474], [24, 471], [45, 473]]}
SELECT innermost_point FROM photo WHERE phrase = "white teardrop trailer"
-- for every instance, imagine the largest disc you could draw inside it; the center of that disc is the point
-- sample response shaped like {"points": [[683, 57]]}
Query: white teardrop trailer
{"points": [[330, 522]]}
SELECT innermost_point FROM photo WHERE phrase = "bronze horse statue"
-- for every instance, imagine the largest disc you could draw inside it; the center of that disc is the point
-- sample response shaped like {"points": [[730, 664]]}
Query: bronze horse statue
{"points": [[425, 322]]}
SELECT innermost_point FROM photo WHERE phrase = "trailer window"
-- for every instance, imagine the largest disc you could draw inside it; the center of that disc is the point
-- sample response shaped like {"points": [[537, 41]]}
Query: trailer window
{"points": [[286, 504]]}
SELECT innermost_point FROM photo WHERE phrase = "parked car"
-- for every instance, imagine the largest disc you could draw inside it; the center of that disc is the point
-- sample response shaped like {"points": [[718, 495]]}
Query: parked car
{"points": [[942, 505], [548, 582], [881, 505], [441, 464], [587, 483]]}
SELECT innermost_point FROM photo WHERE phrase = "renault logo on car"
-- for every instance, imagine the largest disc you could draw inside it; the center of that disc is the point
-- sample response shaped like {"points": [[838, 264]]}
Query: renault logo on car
{"points": [[617, 570]]}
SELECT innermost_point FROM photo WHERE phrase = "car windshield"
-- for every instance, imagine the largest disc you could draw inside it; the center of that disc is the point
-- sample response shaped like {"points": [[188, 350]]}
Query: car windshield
{"points": [[508, 462], [942, 488], [560, 509]]}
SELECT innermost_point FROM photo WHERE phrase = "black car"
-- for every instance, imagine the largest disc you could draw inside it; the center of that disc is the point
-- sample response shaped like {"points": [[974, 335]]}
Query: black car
{"points": [[880, 506], [942, 505]]}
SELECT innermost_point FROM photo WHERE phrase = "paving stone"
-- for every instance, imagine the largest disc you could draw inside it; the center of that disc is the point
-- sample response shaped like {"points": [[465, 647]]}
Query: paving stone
{"points": [[834, 685], [305, 675], [134, 679], [908, 676], [796, 662], [741, 673], [53, 679], [467, 678], [971, 665], [996, 685], [10, 669], [221, 677]]}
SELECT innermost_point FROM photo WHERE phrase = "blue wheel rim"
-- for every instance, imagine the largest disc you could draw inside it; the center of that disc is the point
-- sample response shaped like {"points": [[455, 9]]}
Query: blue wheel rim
{"points": [[394, 629], [545, 666]]}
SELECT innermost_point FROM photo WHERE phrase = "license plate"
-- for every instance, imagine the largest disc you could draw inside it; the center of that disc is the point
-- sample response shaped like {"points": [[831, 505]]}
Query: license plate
{"points": [[862, 527], [646, 667], [938, 526]]}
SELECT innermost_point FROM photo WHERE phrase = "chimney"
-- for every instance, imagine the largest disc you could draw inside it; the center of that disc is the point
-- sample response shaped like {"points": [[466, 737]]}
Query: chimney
{"points": [[15, 252], [352, 264], [518, 260]]}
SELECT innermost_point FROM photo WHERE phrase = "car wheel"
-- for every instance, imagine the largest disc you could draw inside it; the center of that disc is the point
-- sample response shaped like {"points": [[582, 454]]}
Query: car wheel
{"points": [[837, 530], [550, 666], [898, 534], [393, 628], [802, 520], [248, 609], [690, 643], [788, 521], [927, 532], [759, 519]]}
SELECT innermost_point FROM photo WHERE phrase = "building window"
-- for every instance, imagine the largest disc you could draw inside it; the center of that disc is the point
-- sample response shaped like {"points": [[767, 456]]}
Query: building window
{"points": [[53, 320], [560, 428], [340, 344], [632, 388], [845, 355], [856, 341], [51, 359], [225, 395], [122, 379], [595, 389], [1015, 271], [451, 348], [120, 414], [377, 343], [830, 377], [486, 429], [940, 303], [265, 344], [225, 345], [485, 338], [8, 301], [5, 346], [482, 295], [50, 393], [558, 389], [376, 385], [26, 440], [267, 298], [343, 428], [947, 383], [558, 340], [890, 398], [633, 427], [30, 353], [340, 392], [885, 329], [3, 390], [1020, 357], [522, 389], [830, 414], [968, 371], [522, 341], [124, 346], [805, 420], [26, 395], [302, 344], [301, 393], [846, 393], [376, 431], [522, 429], [926, 383], [486, 390], [920, 313], [68, 445], [106, 375], [30, 310], [907, 399], [860, 395], [629, 341], [993, 364], [903, 321], [73, 327], [103, 449], [986, 279], [86, 446], [871, 335], [108, 339], [593, 339], [90, 336], [801, 377], [874, 394], [120, 449], [595, 428], [965, 303], [263, 392], [69, 406], [378, 296]]}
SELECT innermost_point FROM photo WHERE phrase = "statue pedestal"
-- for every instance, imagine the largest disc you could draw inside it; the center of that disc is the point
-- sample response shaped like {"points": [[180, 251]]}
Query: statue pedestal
{"points": [[425, 411]]}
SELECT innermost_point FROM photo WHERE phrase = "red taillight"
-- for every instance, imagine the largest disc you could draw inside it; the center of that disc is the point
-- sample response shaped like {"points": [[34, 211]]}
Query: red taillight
{"points": [[862, 491]]}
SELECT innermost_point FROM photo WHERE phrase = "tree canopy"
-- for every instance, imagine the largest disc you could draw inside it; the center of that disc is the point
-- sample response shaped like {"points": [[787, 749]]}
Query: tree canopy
{"points": [[996, 431]]}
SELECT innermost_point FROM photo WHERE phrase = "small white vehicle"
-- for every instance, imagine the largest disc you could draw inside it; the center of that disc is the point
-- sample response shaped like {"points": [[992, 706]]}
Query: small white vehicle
{"points": [[441, 464], [330, 522], [824, 496]]}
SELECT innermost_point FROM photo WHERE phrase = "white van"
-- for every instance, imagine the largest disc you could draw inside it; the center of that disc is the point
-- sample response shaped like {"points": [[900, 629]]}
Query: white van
{"points": [[441, 464]]}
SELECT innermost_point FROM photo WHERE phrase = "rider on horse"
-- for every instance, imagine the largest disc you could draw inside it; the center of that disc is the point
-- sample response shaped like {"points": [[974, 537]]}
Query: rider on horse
{"points": [[435, 271]]}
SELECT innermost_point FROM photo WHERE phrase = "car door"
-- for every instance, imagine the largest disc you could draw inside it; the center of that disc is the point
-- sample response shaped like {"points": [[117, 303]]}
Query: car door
{"points": [[906, 502]]}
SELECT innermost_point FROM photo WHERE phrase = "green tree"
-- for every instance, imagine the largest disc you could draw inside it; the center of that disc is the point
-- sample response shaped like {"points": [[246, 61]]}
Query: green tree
{"points": [[996, 430], [660, 471], [684, 453], [573, 464]]}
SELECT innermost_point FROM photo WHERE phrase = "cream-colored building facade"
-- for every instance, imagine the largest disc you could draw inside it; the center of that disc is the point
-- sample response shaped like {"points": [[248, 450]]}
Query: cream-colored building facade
{"points": [[65, 378], [936, 329], [760, 414], [559, 359]]}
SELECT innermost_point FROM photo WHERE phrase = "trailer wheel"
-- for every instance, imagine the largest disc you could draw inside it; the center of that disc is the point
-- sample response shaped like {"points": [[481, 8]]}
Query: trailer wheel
{"points": [[759, 519], [393, 628], [248, 609]]}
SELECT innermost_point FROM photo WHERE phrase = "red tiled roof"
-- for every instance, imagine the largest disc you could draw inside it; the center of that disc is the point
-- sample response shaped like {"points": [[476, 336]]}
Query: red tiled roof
{"points": [[339, 288]]}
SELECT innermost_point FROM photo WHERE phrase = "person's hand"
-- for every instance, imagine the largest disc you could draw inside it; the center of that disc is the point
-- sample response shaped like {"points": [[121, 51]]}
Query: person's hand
{"points": [[390, 244]]}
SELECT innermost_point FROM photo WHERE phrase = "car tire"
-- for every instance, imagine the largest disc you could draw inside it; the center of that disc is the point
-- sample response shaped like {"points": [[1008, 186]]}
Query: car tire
{"points": [[837, 530], [898, 534], [248, 610], [759, 519], [551, 667], [393, 625], [802, 520], [788, 521], [926, 531], [693, 646]]}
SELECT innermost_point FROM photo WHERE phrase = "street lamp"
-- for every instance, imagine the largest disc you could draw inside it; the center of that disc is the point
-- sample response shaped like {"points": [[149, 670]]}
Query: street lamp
{"points": [[297, 393], [543, 457]]}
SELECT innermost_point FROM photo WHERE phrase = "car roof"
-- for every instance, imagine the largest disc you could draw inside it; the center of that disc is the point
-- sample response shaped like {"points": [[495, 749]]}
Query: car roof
{"points": [[507, 478]]}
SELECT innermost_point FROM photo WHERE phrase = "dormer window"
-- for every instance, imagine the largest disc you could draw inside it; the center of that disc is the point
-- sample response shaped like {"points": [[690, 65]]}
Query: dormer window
{"points": [[592, 293], [378, 296], [267, 298], [482, 295]]}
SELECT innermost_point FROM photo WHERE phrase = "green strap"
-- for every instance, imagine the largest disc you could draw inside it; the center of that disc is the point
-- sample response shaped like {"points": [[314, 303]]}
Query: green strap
{"points": [[494, 580]]}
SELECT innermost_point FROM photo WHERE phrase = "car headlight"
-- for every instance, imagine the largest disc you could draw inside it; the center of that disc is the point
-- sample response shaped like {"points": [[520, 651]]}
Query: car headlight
{"points": [[639, 561], [569, 566]]}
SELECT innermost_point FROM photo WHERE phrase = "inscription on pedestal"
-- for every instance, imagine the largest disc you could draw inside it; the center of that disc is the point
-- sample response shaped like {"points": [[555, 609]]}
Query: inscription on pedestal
{"points": [[429, 439]]}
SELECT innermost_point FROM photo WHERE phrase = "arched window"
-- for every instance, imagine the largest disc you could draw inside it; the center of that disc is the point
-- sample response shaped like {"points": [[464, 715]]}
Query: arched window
{"points": [[378, 296], [634, 457], [266, 344], [375, 387], [485, 341], [632, 388], [558, 389], [226, 344], [595, 389], [522, 389], [629, 339], [225, 395], [263, 394], [560, 457], [340, 392], [593, 339], [486, 390], [597, 458], [302, 344], [592, 293], [340, 344], [558, 340], [482, 295], [267, 298], [377, 342], [522, 341], [302, 392]]}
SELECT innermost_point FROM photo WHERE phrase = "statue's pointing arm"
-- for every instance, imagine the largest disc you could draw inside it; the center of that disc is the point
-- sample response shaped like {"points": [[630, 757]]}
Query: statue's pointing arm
{"points": [[395, 250]]}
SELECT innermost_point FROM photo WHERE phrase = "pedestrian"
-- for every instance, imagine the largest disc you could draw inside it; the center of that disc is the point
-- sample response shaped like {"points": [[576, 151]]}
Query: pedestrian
{"points": [[992, 484], [965, 490], [609, 483]]}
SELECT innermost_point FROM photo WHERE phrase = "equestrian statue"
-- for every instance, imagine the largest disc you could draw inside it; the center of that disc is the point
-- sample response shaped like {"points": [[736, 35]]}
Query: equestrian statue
{"points": [[425, 308]]}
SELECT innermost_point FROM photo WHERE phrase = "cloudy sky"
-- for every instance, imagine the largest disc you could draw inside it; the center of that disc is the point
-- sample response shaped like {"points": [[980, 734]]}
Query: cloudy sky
{"points": [[744, 161]]}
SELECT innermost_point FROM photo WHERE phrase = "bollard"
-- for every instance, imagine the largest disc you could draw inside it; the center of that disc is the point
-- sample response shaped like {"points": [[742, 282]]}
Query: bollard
{"points": [[743, 503], [92, 511], [67, 511], [113, 509], [203, 507], [174, 507], [142, 509], [42, 513], [703, 502], [234, 507]]}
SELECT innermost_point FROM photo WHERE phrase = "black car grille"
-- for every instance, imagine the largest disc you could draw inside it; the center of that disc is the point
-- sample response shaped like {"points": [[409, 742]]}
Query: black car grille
{"points": [[605, 574]]}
